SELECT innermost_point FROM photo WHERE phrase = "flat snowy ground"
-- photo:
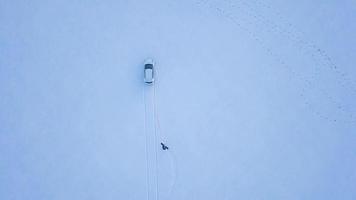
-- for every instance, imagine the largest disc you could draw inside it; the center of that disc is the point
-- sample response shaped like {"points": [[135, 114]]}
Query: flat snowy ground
{"points": [[255, 99]]}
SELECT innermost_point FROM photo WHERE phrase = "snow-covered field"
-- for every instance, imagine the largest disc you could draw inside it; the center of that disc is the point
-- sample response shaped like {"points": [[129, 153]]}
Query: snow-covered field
{"points": [[255, 100]]}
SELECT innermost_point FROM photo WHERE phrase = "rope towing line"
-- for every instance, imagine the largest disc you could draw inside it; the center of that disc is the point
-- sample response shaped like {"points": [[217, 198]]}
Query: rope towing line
{"points": [[150, 73], [149, 78]]}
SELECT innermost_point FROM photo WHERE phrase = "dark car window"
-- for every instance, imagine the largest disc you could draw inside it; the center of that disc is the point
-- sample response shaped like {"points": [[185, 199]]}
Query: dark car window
{"points": [[148, 66]]}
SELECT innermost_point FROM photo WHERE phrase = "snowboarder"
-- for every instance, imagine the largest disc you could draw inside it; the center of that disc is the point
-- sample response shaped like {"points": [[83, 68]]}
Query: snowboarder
{"points": [[164, 147]]}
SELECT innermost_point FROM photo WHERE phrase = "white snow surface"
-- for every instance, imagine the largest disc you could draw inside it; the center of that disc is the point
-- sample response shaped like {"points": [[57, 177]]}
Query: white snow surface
{"points": [[255, 100]]}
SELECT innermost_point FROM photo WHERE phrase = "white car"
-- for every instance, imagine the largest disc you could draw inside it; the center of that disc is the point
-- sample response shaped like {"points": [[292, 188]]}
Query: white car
{"points": [[149, 71]]}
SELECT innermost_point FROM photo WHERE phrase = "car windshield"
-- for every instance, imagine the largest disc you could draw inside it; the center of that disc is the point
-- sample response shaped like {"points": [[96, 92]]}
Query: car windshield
{"points": [[148, 66]]}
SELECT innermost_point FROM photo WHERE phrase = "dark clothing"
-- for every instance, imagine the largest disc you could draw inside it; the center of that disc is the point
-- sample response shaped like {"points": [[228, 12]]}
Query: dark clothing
{"points": [[164, 147]]}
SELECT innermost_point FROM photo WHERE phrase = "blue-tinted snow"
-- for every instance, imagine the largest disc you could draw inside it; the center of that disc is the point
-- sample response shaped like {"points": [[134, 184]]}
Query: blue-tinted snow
{"points": [[255, 99]]}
